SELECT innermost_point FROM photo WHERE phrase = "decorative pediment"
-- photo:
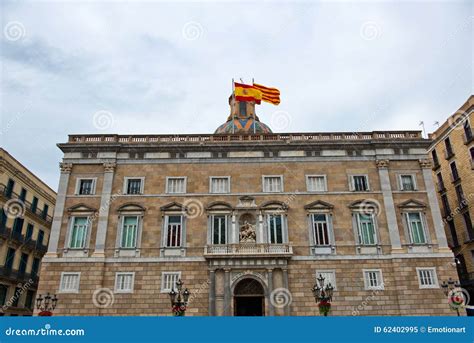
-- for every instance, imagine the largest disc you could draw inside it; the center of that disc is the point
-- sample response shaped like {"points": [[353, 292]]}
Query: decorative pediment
{"points": [[412, 204], [81, 208], [366, 205], [246, 202], [319, 205], [219, 206], [274, 205], [131, 207], [173, 207]]}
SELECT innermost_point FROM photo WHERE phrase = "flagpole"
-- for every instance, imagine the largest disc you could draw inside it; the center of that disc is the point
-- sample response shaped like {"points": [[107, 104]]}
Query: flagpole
{"points": [[231, 110], [254, 116]]}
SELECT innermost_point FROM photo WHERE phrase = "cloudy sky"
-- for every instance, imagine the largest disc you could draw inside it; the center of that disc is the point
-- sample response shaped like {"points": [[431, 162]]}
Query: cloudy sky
{"points": [[166, 67]]}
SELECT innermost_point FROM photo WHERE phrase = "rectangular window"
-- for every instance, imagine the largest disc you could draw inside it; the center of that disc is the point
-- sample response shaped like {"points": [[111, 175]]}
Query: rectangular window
{"points": [[467, 130], [22, 196], [320, 229], [44, 214], [220, 184], [124, 282], [79, 232], [440, 182], [219, 229], [329, 277], [85, 186], [40, 239], [174, 231], [134, 186], [34, 204], [460, 194], [434, 154], [449, 148], [9, 188], [427, 277], [366, 228], [468, 224], [316, 183], [16, 296], [175, 185], [35, 267], [3, 294], [407, 183], [29, 232], [23, 263], [275, 227], [273, 184], [415, 227], [69, 282], [373, 279], [360, 183], [30, 295], [129, 232], [9, 259], [168, 281], [243, 108], [454, 171]]}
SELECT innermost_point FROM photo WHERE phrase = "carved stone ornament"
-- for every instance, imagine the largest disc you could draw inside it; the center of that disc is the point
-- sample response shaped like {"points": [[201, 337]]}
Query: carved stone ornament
{"points": [[247, 233], [426, 163], [109, 167], [65, 167], [382, 163]]}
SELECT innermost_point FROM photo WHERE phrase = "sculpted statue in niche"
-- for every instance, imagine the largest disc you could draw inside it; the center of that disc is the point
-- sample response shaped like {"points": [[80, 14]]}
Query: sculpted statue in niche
{"points": [[247, 233]]}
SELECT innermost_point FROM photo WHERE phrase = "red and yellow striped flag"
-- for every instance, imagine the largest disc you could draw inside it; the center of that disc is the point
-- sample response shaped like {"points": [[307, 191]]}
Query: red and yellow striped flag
{"points": [[271, 95], [247, 93]]}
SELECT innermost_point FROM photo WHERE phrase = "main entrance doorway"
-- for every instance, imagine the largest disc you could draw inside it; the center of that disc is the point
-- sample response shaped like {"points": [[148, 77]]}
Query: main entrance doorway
{"points": [[249, 298]]}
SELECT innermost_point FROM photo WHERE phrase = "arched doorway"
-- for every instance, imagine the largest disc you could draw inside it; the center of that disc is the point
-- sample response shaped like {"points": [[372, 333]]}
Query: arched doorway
{"points": [[249, 298]]}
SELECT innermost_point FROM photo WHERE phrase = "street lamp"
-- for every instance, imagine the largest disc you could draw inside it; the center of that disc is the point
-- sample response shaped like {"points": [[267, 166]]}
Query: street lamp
{"points": [[179, 300], [323, 295], [455, 297], [46, 305]]}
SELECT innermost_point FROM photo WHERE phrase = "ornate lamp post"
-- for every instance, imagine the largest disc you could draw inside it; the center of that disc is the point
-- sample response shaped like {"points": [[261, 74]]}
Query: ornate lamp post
{"points": [[179, 300], [455, 298], [46, 305], [323, 295]]}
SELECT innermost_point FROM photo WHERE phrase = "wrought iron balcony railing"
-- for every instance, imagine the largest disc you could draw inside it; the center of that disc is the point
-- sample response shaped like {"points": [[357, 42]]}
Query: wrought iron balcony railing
{"points": [[28, 206]]}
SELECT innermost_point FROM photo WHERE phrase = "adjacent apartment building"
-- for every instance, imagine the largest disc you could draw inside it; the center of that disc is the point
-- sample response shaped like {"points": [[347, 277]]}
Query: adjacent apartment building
{"points": [[26, 208], [247, 219], [452, 152]]}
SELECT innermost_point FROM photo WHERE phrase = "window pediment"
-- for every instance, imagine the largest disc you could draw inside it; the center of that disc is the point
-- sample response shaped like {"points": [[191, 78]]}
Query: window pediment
{"points": [[81, 208], [365, 206], [318, 205], [219, 206], [173, 207], [273, 205], [131, 207], [412, 204]]}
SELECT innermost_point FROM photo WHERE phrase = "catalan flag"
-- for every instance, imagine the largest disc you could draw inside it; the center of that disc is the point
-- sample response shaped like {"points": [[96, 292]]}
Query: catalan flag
{"points": [[247, 93], [271, 95]]}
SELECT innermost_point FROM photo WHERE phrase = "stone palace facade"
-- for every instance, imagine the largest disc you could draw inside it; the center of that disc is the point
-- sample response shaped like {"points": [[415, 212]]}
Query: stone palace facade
{"points": [[247, 218]]}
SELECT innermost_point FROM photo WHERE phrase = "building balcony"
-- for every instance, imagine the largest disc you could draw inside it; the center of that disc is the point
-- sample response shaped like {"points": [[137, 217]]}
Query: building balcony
{"points": [[14, 275], [248, 250], [28, 206]]}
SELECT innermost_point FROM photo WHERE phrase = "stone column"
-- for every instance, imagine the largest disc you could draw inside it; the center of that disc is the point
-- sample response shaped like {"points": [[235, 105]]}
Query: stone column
{"points": [[66, 169], [232, 233], [212, 292], [285, 285], [105, 199], [389, 205], [271, 308], [260, 228], [434, 205], [227, 295]]}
